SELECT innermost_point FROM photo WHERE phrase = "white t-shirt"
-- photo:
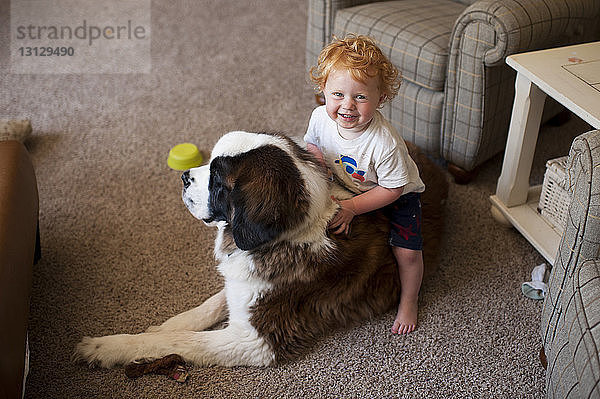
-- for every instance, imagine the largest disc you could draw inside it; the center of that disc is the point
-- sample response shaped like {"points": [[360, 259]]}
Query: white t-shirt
{"points": [[377, 157]]}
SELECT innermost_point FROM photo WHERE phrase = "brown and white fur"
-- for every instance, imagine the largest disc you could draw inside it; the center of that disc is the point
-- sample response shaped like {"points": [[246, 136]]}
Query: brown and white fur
{"points": [[288, 281]]}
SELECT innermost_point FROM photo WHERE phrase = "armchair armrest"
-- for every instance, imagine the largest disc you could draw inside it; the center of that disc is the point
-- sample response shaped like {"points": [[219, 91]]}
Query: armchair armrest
{"points": [[479, 86], [584, 336], [569, 327], [18, 221], [514, 27], [583, 174]]}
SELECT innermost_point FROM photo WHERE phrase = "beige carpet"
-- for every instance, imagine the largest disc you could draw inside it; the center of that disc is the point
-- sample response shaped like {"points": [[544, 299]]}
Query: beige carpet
{"points": [[121, 252]]}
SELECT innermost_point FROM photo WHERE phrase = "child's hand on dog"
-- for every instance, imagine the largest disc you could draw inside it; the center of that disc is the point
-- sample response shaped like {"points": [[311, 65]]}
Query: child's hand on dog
{"points": [[343, 217]]}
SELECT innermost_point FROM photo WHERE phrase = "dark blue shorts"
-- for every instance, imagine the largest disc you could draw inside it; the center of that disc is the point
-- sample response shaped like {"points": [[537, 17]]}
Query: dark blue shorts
{"points": [[405, 221]]}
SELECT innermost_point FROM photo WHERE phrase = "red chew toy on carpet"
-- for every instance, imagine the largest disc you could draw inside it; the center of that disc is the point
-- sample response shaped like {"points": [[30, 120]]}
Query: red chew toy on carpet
{"points": [[173, 366]]}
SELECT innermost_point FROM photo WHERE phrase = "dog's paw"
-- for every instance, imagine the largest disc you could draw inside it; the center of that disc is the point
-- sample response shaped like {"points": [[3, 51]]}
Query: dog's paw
{"points": [[104, 351]]}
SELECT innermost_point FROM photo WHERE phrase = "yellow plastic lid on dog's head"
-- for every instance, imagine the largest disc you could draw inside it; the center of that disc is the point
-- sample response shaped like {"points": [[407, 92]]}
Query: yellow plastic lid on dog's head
{"points": [[184, 156]]}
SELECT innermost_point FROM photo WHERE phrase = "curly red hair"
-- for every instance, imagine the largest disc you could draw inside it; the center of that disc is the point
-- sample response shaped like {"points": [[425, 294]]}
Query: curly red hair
{"points": [[363, 58]]}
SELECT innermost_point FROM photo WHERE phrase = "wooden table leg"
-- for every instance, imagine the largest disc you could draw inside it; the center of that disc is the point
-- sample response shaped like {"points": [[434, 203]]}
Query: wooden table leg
{"points": [[513, 183]]}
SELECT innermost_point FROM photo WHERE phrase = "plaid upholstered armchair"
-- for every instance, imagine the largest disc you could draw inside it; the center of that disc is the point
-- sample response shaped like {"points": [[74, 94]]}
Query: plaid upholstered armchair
{"points": [[456, 97], [571, 315]]}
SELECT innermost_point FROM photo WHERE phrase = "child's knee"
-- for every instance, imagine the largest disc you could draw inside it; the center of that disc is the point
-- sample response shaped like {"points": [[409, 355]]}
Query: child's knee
{"points": [[405, 256]]}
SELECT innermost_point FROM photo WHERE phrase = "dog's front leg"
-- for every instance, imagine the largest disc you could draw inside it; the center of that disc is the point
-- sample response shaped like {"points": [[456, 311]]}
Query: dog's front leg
{"points": [[211, 312], [232, 346]]}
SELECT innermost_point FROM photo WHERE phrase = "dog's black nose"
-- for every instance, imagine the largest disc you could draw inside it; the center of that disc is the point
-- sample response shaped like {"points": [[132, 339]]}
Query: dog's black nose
{"points": [[187, 180]]}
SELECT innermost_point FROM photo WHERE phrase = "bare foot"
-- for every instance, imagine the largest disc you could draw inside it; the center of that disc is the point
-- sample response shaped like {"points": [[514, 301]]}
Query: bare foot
{"points": [[406, 318]]}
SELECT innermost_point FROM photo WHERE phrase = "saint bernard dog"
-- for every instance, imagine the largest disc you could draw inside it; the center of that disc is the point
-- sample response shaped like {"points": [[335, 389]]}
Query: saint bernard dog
{"points": [[288, 281]]}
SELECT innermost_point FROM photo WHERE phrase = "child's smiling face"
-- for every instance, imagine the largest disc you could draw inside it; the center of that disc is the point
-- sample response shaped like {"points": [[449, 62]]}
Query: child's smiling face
{"points": [[350, 103]]}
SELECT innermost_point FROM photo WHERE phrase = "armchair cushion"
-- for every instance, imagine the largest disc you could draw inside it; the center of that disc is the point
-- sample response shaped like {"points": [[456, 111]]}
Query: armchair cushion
{"points": [[414, 34]]}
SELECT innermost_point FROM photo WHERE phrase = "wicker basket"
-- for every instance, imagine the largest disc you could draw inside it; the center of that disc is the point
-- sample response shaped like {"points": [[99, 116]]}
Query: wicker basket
{"points": [[555, 198]]}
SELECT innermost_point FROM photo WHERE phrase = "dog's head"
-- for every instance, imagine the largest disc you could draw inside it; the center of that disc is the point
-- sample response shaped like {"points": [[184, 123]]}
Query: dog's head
{"points": [[252, 184]]}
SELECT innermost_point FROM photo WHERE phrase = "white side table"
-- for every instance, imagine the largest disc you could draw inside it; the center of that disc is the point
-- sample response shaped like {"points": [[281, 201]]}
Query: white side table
{"points": [[570, 75]]}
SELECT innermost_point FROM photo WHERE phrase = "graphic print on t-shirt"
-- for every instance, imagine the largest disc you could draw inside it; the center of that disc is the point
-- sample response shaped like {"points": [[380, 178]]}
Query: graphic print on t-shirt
{"points": [[350, 166]]}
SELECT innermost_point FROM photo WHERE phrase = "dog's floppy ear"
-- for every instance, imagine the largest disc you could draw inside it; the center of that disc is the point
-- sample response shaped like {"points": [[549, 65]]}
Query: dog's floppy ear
{"points": [[249, 234], [268, 196]]}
